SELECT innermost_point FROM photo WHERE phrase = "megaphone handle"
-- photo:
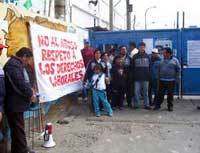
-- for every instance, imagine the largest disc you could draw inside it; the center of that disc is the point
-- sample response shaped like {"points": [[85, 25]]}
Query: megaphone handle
{"points": [[46, 136]]}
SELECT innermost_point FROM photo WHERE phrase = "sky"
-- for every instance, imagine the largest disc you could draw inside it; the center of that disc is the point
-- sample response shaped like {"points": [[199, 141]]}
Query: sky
{"points": [[164, 15]]}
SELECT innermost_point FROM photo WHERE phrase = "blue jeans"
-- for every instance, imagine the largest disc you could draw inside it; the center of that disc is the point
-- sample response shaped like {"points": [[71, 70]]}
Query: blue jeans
{"points": [[100, 96], [141, 87]]}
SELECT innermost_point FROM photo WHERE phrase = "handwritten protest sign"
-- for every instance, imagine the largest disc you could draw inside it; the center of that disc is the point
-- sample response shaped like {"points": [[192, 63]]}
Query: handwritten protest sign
{"points": [[58, 62]]}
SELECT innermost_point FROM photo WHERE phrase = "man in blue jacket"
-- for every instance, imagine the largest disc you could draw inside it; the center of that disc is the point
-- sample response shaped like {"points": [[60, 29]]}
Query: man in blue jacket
{"points": [[169, 75], [18, 97], [153, 83]]}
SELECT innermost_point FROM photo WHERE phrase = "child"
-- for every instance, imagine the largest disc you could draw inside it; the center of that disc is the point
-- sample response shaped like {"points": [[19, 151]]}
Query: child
{"points": [[98, 84], [118, 83], [109, 67]]}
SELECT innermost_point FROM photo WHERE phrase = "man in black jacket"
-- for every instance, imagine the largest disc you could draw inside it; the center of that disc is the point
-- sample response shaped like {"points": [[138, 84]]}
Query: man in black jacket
{"points": [[141, 70], [2, 91], [126, 61], [18, 97], [2, 85]]}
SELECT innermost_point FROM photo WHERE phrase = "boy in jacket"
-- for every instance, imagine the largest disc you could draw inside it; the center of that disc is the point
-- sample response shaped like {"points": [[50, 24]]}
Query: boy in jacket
{"points": [[118, 83]]}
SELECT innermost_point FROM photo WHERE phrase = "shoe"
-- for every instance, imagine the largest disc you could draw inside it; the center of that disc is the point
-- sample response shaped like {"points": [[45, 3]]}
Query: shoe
{"points": [[170, 109], [147, 107], [135, 107], [198, 107], [152, 104], [113, 108], [130, 106], [156, 108], [110, 114], [30, 150], [85, 100], [98, 115], [120, 108]]}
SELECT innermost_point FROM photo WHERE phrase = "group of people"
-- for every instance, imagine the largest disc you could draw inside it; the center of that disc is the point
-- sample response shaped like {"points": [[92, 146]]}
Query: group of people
{"points": [[16, 93], [126, 77], [114, 77]]}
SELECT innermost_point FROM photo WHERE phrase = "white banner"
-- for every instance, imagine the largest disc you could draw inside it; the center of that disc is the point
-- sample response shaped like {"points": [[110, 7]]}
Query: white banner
{"points": [[58, 62]]}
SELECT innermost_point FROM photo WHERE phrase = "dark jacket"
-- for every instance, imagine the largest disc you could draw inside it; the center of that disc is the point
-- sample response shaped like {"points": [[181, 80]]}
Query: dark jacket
{"points": [[141, 67], [2, 89], [118, 77], [89, 71], [127, 63], [154, 67], [18, 90]]}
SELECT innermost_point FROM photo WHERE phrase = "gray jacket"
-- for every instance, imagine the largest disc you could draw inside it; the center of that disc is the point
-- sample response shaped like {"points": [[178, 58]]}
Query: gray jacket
{"points": [[169, 69]]}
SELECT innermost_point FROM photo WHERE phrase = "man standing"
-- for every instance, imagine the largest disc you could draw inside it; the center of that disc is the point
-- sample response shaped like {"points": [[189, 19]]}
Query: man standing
{"points": [[18, 97], [153, 83], [169, 73], [141, 69], [126, 61], [2, 89], [133, 48], [87, 52]]}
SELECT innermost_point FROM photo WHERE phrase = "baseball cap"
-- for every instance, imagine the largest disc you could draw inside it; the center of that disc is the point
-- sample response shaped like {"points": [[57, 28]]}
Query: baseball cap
{"points": [[86, 41], [155, 50]]}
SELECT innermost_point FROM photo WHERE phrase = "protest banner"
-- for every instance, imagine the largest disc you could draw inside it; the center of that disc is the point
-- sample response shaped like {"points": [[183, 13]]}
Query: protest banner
{"points": [[58, 62]]}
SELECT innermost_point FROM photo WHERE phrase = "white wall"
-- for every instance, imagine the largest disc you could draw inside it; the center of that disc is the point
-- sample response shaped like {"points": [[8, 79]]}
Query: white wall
{"points": [[83, 13]]}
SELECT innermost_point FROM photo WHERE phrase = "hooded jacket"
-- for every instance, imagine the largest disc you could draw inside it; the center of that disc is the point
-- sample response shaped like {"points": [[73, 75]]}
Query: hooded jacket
{"points": [[18, 90], [2, 89]]}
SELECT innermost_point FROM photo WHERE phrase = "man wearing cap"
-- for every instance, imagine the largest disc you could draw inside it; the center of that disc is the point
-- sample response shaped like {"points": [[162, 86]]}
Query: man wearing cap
{"points": [[153, 82], [87, 52], [141, 74]]}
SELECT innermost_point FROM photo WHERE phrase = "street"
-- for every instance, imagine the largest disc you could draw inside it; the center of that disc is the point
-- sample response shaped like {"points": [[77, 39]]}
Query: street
{"points": [[128, 131]]}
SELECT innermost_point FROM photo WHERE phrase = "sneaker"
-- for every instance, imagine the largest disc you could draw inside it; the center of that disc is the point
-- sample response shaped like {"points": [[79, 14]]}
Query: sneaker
{"points": [[130, 106], [156, 108], [110, 114], [113, 108], [147, 107], [30, 150], [170, 109], [98, 115], [135, 107], [85, 100], [120, 108]]}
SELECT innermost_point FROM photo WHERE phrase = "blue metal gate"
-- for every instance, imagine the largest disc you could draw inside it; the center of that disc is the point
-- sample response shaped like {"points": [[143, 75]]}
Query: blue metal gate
{"points": [[178, 40]]}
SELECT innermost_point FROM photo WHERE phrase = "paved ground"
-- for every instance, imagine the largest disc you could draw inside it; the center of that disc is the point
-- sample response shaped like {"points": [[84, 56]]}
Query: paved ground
{"points": [[129, 131]]}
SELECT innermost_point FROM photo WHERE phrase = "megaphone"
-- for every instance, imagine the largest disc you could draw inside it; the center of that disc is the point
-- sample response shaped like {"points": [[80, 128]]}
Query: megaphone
{"points": [[48, 137]]}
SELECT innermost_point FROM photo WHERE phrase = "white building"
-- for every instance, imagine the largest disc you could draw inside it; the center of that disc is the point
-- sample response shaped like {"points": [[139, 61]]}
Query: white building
{"points": [[81, 12]]}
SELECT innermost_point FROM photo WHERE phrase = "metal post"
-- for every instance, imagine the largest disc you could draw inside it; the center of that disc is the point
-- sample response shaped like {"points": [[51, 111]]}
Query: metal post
{"points": [[128, 14], [111, 14], [45, 3], [134, 22], [49, 11], [177, 20], [183, 20]]}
